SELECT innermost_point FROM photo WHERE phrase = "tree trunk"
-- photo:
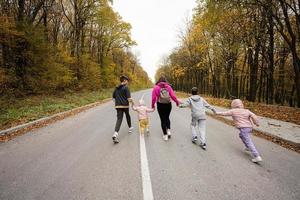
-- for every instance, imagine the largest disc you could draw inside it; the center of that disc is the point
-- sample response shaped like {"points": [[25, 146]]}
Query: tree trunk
{"points": [[21, 7], [270, 52], [253, 66]]}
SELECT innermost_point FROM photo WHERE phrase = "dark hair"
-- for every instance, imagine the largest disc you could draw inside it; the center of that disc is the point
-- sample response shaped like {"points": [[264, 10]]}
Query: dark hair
{"points": [[123, 78], [161, 79], [194, 91]]}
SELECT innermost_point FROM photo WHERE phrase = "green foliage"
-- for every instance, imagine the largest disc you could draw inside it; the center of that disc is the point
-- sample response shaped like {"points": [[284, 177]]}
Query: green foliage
{"points": [[90, 74]]}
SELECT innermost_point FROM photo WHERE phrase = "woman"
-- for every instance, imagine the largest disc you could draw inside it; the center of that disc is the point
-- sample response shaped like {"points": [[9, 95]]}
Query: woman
{"points": [[162, 94]]}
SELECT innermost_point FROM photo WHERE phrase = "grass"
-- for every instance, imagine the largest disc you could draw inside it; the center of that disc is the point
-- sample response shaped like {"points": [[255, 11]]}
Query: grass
{"points": [[18, 111]]}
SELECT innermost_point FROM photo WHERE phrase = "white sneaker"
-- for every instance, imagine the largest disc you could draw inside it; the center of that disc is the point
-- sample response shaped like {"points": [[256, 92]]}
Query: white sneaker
{"points": [[116, 134], [115, 138], [130, 130], [194, 139], [257, 159], [203, 146], [169, 133], [165, 137]]}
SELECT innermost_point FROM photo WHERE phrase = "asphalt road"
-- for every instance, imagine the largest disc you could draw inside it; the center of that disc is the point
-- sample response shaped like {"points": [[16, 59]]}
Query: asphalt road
{"points": [[76, 159]]}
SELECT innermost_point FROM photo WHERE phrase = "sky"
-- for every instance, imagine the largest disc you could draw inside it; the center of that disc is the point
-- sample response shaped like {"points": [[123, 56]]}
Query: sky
{"points": [[155, 27]]}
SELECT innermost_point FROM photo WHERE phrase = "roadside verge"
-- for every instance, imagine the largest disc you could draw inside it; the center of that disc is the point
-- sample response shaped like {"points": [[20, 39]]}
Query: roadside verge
{"points": [[8, 134]]}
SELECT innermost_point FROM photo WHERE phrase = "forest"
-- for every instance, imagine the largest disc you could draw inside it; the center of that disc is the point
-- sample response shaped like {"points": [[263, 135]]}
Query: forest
{"points": [[50, 46], [246, 49]]}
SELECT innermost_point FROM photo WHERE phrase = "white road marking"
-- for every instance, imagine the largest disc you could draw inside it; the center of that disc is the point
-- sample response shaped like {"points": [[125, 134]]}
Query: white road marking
{"points": [[147, 186]]}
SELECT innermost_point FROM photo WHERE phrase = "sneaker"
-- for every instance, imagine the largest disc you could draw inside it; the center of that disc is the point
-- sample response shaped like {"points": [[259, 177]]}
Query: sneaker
{"points": [[169, 133], [115, 139], [130, 130], [203, 146], [194, 139], [257, 159], [165, 137]]}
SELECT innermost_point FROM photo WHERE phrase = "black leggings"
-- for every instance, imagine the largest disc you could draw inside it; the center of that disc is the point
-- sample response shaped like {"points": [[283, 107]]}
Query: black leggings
{"points": [[120, 112], [164, 111]]}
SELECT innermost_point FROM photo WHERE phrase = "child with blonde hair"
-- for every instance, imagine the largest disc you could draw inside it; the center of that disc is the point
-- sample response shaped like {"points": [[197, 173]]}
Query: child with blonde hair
{"points": [[143, 117], [244, 120]]}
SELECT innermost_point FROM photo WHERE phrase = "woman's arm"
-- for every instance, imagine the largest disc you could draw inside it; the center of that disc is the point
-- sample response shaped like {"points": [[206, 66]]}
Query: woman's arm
{"points": [[154, 97], [173, 96]]}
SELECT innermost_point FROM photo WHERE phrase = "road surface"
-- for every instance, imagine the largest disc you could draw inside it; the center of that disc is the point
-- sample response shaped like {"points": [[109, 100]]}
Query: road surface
{"points": [[75, 158]]}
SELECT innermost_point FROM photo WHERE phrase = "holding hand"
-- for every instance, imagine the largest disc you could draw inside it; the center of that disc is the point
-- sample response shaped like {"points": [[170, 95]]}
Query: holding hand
{"points": [[214, 111]]}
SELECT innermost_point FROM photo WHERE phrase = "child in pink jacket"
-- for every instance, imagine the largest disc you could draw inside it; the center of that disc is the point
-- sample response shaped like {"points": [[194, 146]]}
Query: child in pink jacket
{"points": [[142, 111], [244, 120]]}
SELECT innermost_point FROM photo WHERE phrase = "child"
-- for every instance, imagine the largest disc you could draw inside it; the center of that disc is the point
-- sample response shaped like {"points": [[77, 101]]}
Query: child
{"points": [[122, 97], [198, 105], [243, 120], [142, 116]]}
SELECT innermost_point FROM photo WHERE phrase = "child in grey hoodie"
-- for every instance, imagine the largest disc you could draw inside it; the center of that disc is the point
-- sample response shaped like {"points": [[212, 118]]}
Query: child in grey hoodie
{"points": [[198, 124]]}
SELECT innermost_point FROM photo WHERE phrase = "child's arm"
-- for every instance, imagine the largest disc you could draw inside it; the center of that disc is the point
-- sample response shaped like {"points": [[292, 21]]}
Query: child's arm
{"points": [[150, 110], [254, 118], [226, 113], [207, 105], [133, 106], [185, 104]]}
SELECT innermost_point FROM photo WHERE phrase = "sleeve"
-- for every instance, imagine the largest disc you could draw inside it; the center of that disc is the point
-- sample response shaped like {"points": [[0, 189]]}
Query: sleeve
{"points": [[128, 94], [207, 105], [185, 104], [254, 118], [150, 110], [154, 97], [134, 108], [226, 113], [114, 94], [172, 95]]}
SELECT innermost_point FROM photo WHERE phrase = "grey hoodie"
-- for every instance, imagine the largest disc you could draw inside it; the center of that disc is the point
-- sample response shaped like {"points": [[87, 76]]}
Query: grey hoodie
{"points": [[198, 105]]}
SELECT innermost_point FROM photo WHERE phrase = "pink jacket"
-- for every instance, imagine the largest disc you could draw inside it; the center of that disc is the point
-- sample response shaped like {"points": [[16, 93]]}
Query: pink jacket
{"points": [[242, 118], [156, 93], [142, 111]]}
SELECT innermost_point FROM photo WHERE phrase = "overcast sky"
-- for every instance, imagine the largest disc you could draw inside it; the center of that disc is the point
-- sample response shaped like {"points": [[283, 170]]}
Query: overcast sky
{"points": [[155, 26]]}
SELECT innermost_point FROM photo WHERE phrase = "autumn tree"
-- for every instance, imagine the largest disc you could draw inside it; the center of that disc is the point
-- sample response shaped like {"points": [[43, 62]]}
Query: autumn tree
{"points": [[57, 45], [240, 49]]}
